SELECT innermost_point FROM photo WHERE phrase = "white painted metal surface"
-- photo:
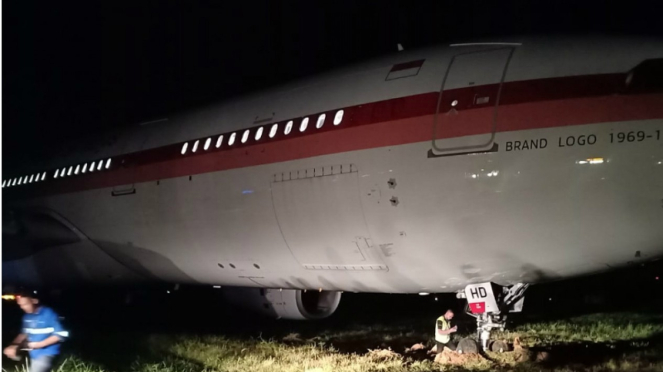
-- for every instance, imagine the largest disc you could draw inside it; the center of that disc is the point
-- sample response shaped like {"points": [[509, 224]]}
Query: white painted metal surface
{"points": [[506, 216]]}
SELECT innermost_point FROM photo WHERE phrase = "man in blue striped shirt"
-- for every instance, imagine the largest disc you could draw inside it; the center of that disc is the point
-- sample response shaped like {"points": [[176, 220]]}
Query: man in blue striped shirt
{"points": [[41, 330]]}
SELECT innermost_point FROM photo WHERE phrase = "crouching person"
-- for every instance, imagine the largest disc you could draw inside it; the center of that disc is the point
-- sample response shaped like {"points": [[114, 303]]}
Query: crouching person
{"points": [[443, 331]]}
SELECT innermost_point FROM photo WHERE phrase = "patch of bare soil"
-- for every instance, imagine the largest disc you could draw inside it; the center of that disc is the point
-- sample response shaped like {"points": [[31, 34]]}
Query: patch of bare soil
{"points": [[415, 347], [520, 353], [293, 338], [382, 354], [447, 356]]}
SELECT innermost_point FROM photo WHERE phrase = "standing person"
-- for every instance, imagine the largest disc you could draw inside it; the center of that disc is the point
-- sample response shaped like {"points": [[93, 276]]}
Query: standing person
{"points": [[443, 331], [42, 331]]}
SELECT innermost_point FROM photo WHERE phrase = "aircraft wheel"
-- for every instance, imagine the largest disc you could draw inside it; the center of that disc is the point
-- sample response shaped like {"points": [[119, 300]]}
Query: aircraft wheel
{"points": [[499, 346], [467, 346]]}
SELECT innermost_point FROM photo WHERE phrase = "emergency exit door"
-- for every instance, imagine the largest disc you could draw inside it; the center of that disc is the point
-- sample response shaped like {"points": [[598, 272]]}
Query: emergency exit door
{"points": [[466, 115]]}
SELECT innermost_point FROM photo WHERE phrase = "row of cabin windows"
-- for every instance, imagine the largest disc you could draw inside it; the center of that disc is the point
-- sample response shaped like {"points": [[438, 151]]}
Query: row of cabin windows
{"points": [[260, 131], [98, 166], [79, 169], [24, 180]]}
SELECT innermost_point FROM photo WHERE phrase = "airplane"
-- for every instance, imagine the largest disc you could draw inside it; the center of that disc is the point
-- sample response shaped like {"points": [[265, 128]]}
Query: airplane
{"points": [[475, 168]]}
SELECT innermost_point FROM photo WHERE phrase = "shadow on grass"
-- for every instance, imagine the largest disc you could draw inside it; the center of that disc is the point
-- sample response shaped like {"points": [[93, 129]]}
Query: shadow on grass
{"points": [[589, 354], [126, 351], [126, 344]]}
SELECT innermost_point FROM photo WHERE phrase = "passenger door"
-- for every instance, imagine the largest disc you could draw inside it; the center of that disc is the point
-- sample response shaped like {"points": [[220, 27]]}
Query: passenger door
{"points": [[466, 115]]}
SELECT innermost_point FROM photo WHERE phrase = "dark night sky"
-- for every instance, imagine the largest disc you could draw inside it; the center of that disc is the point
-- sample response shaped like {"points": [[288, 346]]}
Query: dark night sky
{"points": [[72, 68]]}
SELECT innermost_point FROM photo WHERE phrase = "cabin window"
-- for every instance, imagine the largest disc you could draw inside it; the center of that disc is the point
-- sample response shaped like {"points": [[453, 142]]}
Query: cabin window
{"points": [[207, 143], [245, 136], [219, 141], [321, 121], [338, 117], [231, 141], [288, 127], [184, 147], [195, 146], [303, 125], [258, 134], [272, 132]]}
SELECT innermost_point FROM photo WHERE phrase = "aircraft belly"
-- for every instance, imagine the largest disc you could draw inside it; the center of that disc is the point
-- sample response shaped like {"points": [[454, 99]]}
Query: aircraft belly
{"points": [[565, 201]]}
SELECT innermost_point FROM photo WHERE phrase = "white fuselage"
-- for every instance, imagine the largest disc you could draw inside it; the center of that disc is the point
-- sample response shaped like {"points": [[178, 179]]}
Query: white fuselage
{"points": [[560, 186]]}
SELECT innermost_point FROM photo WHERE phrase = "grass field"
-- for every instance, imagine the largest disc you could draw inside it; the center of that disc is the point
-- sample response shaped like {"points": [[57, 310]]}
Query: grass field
{"points": [[599, 342]]}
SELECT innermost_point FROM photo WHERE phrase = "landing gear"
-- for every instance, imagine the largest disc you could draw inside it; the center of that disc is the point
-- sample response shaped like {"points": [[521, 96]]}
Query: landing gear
{"points": [[490, 303]]}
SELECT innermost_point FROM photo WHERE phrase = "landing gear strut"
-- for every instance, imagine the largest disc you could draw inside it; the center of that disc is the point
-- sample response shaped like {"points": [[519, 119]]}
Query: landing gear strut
{"points": [[490, 303]]}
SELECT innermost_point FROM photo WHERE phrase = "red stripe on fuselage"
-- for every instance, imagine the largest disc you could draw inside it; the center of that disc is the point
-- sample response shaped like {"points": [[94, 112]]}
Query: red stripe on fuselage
{"points": [[524, 105]]}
